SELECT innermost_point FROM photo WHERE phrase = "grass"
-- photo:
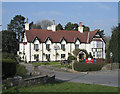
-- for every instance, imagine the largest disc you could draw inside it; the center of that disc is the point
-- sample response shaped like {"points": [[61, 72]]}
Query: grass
{"points": [[60, 66], [63, 87], [45, 63]]}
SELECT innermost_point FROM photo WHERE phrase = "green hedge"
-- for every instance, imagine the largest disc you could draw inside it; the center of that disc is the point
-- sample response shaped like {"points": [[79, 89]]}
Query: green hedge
{"points": [[71, 57], [6, 55], [21, 70], [8, 68], [83, 67]]}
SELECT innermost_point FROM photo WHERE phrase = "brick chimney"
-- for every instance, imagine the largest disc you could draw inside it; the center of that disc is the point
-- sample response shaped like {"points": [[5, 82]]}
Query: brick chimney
{"points": [[80, 28], [27, 25], [52, 27]]}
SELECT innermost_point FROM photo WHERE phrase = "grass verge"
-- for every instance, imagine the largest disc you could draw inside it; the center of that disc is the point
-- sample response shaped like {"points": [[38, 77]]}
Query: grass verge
{"points": [[63, 87], [46, 63]]}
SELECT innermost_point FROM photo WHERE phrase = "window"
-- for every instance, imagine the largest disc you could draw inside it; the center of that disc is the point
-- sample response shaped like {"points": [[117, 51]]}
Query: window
{"points": [[36, 56], [93, 44], [93, 54], [62, 46], [76, 46], [47, 46], [62, 55], [35, 46], [48, 57], [98, 44], [99, 54]]}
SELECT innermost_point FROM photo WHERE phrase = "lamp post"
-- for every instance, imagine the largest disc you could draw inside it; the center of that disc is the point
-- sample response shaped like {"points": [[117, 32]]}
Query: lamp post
{"points": [[111, 60]]}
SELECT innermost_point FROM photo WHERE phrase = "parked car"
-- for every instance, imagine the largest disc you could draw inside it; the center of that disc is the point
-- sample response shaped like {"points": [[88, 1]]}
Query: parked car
{"points": [[17, 77]]}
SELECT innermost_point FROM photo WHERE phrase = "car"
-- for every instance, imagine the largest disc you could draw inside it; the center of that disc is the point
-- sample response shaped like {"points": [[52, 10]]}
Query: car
{"points": [[17, 77]]}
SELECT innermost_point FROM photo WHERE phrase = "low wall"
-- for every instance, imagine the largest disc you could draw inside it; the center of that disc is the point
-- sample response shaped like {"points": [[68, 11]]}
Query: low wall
{"points": [[41, 79]]}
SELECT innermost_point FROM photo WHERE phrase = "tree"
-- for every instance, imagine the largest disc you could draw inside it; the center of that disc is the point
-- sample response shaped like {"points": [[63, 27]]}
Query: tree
{"points": [[44, 23], [75, 25], [35, 26], [69, 26], [59, 27], [114, 44], [101, 32], [9, 42], [86, 28], [17, 25]]}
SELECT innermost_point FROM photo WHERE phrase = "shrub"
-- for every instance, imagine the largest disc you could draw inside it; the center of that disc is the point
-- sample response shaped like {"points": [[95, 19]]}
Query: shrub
{"points": [[6, 55], [21, 70], [71, 57], [8, 68], [83, 67]]}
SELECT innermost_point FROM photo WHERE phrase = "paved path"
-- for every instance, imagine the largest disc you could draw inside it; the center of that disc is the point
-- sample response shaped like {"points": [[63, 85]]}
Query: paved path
{"points": [[108, 78]]}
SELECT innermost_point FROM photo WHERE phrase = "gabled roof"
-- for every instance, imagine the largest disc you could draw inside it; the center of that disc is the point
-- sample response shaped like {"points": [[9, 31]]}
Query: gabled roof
{"points": [[69, 36]]}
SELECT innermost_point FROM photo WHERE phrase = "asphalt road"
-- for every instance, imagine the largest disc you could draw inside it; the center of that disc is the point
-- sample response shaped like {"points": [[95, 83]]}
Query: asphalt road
{"points": [[108, 78]]}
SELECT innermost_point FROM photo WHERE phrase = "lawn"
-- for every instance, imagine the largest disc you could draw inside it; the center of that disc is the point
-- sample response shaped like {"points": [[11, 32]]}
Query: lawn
{"points": [[45, 63], [65, 65], [63, 87]]}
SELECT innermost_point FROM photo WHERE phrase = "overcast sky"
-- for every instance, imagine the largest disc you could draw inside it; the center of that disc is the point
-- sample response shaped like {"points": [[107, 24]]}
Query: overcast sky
{"points": [[95, 15]]}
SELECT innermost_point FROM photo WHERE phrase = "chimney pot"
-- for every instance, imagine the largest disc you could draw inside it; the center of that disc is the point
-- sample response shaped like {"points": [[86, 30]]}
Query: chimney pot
{"points": [[80, 24], [53, 22], [27, 20]]}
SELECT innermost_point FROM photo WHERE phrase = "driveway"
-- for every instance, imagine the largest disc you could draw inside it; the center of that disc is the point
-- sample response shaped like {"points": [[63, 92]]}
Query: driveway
{"points": [[108, 78]]}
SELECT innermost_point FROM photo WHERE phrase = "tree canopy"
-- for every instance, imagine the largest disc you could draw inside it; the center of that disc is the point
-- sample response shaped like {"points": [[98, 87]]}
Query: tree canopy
{"points": [[9, 42], [17, 25], [74, 27], [59, 27], [114, 44]]}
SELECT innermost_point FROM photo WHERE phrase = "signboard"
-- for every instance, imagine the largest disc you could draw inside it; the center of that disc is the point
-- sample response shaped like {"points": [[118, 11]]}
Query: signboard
{"points": [[89, 60], [111, 54], [24, 43]]}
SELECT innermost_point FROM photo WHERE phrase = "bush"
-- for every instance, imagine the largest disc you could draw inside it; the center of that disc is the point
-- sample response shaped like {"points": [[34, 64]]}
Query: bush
{"points": [[71, 57], [8, 68], [21, 70], [6, 55], [83, 67]]}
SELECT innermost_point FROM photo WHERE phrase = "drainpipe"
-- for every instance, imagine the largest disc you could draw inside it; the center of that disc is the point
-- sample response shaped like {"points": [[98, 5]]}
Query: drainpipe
{"points": [[42, 52], [102, 49], [30, 52]]}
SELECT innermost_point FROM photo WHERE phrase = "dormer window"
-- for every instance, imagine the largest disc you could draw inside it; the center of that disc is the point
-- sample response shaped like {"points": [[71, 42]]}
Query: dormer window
{"points": [[63, 47], [48, 47], [35, 46], [76, 46]]}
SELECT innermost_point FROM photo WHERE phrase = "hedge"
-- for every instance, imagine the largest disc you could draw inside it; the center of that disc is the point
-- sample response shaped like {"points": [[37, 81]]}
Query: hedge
{"points": [[21, 70], [6, 55], [71, 57], [8, 68], [83, 67]]}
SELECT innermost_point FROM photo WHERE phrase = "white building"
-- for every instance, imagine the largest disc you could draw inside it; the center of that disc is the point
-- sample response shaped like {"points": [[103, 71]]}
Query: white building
{"points": [[52, 44]]}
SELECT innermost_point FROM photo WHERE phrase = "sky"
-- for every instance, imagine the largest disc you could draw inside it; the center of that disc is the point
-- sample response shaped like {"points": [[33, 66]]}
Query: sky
{"points": [[96, 15]]}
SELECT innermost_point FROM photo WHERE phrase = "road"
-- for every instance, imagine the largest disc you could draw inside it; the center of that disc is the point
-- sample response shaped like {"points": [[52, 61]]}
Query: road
{"points": [[108, 78]]}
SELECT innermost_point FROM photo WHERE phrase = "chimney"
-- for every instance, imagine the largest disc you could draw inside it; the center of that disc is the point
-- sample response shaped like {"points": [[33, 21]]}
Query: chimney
{"points": [[80, 28], [80, 24], [27, 20], [27, 25], [53, 22], [52, 27]]}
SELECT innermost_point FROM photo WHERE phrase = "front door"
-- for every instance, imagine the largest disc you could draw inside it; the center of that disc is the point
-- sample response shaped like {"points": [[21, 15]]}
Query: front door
{"points": [[81, 56]]}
